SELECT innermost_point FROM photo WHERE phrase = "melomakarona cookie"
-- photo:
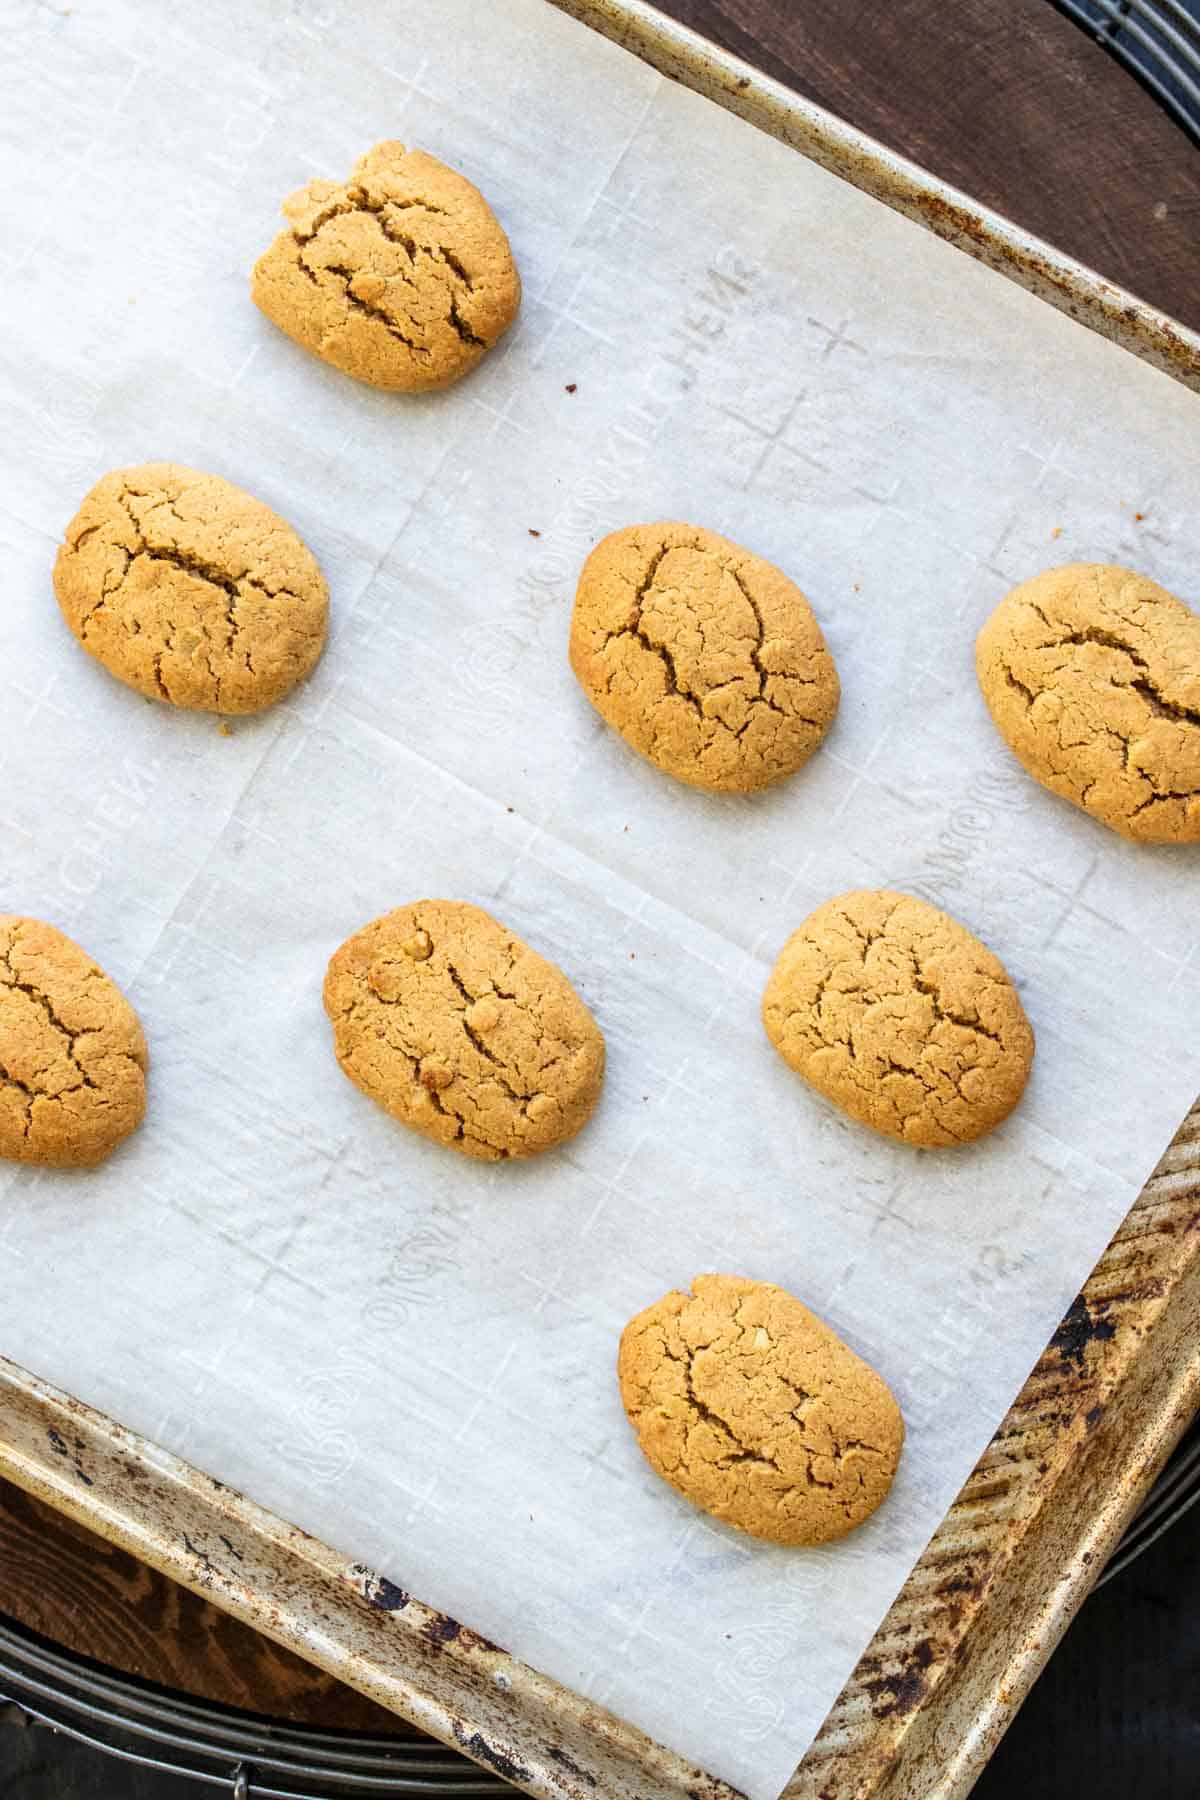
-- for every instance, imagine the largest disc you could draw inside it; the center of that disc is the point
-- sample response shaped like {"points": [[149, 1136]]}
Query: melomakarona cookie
{"points": [[706, 658], [898, 1014], [1092, 675], [400, 276], [755, 1410], [461, 1031], [190, 590], [72, 1055]]}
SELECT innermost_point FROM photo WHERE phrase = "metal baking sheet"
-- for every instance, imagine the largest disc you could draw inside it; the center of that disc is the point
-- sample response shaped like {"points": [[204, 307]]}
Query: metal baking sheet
{"points": [[747, 1651]]}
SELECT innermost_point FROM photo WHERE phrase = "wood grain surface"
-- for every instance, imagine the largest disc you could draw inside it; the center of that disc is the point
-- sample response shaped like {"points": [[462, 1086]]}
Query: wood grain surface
{"points": [[87, 1595], [1011, 103]]}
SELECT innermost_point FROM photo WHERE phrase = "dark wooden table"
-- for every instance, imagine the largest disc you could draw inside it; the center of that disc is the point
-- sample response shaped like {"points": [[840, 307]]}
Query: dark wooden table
{"points": [[1014, 104], [1009, 101]]}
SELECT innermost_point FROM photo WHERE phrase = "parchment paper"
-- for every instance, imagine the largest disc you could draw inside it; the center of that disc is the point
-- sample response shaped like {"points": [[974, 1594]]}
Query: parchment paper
{"points": [[405, 1353]]}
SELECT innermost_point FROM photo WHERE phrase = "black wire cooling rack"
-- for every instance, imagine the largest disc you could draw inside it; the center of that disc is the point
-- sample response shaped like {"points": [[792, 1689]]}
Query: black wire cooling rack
{"points": [[1175, 1493], [240, 1756], [1158, 41]]}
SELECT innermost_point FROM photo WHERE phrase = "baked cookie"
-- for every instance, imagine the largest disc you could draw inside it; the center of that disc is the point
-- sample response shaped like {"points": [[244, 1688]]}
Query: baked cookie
{"points": [[706, 659], [400, 276], [896, 1013], [190, 590], [72, 1055], [462, 1031], [756, 1411], [1092, 675]]}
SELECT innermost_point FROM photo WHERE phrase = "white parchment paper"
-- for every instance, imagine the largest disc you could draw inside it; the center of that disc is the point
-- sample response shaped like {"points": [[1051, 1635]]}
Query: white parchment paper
{"points": [[406, 1353]]}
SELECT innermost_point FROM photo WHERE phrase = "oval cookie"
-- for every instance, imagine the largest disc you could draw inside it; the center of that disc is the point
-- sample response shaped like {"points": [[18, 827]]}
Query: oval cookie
{"points": [[1092, 676], [72, 1055], [706, 659], [755, 1410], [462, 1031], [190, 590], [401, 276], [901, 1017]]}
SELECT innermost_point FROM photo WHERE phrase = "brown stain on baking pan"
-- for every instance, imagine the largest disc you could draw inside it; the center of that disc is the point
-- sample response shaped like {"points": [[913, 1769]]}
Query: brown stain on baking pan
{"points": [[967, 1582]]}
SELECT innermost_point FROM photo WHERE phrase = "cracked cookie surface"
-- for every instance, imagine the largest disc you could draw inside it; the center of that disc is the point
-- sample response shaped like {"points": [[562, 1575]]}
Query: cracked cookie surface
{"points": [[705, 658], [190, 590], [1092, 676], [401, 276], [462, 1031], [72, 1056], [756, 1411], [900, 1016]]}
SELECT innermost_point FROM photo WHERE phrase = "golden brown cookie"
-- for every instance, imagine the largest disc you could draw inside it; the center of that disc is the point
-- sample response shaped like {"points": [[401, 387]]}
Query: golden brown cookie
{"points": [[400, 276], [463, 1032], [896, 1013], [190, 590], [756, 1411], [72, 1055], [706, 659], [1092, 675]]}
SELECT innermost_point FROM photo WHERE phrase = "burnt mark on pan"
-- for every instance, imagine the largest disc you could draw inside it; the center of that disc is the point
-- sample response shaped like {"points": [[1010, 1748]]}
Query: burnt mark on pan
{"points": [[386, 1595], [60, 1447], [1153, 1288], [201, 1555], [441, 1629], [1078, 1329], [968, 1582], [377, 1590], [477, 1745], [902, 1692], [559, 1755]]}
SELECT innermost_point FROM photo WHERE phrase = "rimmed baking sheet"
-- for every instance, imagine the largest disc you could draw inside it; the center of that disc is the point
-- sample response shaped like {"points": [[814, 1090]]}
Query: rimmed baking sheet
{"points": [[410, 1357]]}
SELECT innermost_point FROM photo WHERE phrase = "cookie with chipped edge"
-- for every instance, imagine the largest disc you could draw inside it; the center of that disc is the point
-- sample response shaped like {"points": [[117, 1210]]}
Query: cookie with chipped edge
{"points": [[401, 276]]}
